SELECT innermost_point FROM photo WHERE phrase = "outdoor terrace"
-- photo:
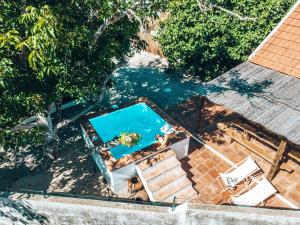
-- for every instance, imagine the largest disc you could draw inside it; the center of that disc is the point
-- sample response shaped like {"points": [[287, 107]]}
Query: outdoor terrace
{"points": [[219, 153], [211, 151]]}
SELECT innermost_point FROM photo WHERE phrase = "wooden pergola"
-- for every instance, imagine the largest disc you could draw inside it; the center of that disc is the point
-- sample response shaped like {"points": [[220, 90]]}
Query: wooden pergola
{"points": [[261, 146]]}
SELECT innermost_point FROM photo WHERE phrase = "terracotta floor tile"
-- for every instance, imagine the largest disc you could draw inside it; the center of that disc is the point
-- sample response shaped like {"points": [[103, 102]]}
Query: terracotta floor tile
{"points": [[193, 163], [237, 158], [226, 196], [205, 155], [210, 163], [297, 188], [212, 190], [198, 159], [200, 186], [277, 203], [216, 158], [194, 153], [202, 169], [288, 166], [281, 185], [196, 179], [204, 197], [213, 172], [295, 197], [208, 179], [222, 167], [195, 172], [217, 200]]}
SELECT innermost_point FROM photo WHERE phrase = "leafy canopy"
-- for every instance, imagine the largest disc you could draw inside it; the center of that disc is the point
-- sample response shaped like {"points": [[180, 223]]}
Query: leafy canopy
{"points": [[209, 42], [49, 50]]}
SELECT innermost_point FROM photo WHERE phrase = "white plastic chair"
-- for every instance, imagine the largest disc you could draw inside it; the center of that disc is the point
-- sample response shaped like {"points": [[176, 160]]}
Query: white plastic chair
{"points": [[235, 175], [258, 194]]}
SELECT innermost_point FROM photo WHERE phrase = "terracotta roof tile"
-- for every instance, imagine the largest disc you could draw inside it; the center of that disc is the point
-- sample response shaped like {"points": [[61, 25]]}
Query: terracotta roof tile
{"points": [[293, 30], [295, 15], [295, 22], [281, 51]]}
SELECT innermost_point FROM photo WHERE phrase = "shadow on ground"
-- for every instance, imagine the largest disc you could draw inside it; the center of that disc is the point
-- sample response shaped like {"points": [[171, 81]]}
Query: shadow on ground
{"points": [[72, 172], [167, 89], [162, 88], [20, 212]]}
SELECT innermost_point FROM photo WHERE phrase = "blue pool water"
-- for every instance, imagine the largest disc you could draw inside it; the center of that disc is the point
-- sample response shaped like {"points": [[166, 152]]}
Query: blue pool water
{"points": [[139, 118]]}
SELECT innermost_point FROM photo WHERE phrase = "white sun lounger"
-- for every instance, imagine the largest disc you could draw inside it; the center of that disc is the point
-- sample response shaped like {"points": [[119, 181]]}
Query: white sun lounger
{"points": [[258, 194], [236, 175]]}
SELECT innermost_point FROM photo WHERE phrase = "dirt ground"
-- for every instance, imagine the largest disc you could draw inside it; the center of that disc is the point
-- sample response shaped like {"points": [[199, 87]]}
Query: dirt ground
{"points": [[74, 171]]}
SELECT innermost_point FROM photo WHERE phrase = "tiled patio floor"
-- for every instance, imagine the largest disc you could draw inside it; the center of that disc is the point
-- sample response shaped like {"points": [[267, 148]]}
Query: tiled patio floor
{"points": [[203, 166]]}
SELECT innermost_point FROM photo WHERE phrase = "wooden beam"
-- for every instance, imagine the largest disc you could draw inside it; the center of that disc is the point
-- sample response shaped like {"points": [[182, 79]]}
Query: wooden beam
{"points": [[202, 108], [255, 136], [253, 147], [294, 154], [276, 161]]}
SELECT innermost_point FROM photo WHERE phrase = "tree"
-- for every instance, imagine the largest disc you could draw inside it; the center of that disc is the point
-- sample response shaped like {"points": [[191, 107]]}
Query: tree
{"points": [[50, 50], [205, 38]]}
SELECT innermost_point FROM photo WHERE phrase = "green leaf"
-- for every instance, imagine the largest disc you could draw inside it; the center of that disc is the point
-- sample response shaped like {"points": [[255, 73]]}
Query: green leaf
{"points": [[32, 59]]}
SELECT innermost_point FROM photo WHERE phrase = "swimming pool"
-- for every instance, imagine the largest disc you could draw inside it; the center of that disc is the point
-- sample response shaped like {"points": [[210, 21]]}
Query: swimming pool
{"points": [[139, 118]]}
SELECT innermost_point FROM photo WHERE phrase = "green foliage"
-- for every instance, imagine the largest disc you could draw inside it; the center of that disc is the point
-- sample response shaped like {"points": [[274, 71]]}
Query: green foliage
{"points": [[129, 139], [206, 44], [48, 52]]}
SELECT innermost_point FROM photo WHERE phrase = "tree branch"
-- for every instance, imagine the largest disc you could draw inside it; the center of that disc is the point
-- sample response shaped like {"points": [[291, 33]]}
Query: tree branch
{"points": [[133, 14], [31, 122], [208, 6], [107, 23], [26, 126], [87, 109], [117, 17]]}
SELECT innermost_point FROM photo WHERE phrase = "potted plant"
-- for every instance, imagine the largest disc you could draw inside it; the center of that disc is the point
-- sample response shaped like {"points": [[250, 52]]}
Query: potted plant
{"points": [[129, 139], [135, 184]]}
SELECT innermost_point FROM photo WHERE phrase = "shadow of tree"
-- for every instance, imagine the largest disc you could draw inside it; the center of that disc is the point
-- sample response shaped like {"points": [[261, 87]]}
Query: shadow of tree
{"points": [[12, 211], [20, 164], [169, 89], [233, 82], [163, 89], [74, 171]]}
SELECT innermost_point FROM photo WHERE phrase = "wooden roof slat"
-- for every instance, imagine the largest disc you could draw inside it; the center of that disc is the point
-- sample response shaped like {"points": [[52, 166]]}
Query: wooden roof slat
{"points": [[275, 105]]}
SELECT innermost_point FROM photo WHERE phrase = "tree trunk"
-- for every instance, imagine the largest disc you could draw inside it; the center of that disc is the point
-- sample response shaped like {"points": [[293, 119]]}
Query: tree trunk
{"points": [[88, 108], [58, 119]]}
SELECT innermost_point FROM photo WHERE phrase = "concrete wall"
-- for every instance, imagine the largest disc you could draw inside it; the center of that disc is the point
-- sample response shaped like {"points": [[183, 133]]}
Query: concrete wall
{"points": [[121, 176], [59, 210], [96, 156], [101, 165], [181, 148], [88, 143]]}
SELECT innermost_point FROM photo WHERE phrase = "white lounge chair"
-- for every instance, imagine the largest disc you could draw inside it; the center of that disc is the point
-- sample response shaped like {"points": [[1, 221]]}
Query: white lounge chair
{"points": [[235, 175], [258, 194]]}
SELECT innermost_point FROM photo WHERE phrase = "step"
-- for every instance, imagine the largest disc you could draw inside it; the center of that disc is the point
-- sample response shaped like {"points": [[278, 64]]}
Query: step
{"points": [[183, 195], [145, 164], [171, 189], [160, 168], [166, 178]]}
